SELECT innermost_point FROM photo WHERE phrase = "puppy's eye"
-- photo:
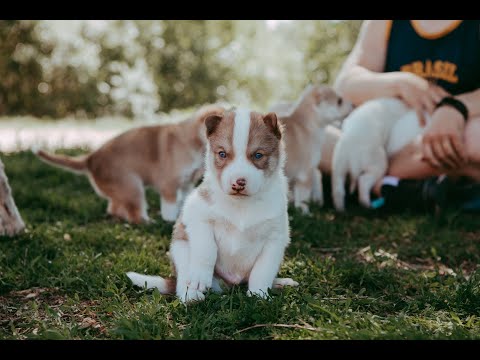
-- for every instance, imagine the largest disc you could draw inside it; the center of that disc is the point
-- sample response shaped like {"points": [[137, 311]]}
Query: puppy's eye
{"points": [[222, 154], [258, 155], [340, 101]]}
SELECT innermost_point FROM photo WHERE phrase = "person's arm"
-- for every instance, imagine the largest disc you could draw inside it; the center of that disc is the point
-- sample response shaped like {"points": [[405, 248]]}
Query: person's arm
{"points": [[442, 143], [471, 101], [361, 77]]}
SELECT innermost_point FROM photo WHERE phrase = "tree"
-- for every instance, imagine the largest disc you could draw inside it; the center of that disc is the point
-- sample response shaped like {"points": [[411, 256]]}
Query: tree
{"points": [[328, 44], [20, 71], [183, 57], [137, 68]]}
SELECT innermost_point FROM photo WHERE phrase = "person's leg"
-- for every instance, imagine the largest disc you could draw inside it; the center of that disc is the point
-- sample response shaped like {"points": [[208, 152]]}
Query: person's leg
{"points": [[407, 163], [472, 144], [419, 180]]}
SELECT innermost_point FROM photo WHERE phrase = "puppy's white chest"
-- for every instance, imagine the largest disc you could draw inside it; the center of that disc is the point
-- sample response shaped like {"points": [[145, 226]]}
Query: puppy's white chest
{"points": [[237, 252], [231, 241], [316, 155]]}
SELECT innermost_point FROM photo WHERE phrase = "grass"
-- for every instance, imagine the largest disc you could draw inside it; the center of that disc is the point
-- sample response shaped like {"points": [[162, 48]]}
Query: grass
{"points": [[408, 276]]}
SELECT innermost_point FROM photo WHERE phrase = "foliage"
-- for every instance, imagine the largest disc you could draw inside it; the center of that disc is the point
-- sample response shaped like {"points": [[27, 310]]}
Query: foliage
{"points": [[137, 68]]}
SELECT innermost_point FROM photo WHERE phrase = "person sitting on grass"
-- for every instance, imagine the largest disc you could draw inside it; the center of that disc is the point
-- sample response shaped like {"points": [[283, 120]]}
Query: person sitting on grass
{"points": [[433, 66]]}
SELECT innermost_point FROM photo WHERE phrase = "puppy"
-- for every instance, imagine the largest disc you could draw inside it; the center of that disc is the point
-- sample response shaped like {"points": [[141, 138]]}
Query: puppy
{"points": [[167, 157], [11, 222], [305, 122], [406, 129], [370, 135], [234, 225]]}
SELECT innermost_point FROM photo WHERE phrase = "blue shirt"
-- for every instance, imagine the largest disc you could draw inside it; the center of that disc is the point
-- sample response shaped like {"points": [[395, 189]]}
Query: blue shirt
{"points": [[450, 58]]}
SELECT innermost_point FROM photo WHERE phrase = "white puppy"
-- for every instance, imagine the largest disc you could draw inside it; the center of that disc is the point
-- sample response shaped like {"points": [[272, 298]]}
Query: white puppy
{"points": [[234, 225], [370, 134]]}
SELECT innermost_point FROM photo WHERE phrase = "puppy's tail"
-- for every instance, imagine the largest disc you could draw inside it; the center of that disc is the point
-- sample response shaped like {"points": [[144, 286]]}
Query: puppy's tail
{"points": [[166, 286], [74, 164]]}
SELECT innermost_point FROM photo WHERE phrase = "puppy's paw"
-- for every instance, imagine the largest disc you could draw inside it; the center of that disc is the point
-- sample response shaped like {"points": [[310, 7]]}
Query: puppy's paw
{"points": [[320, 202], [261, 293], [188, 295], [11, 227], [169, 210], [339, 204], [168, 217], [317, 197], [279, 283], [304, 208], [200, 280], [148, 220], [364, 200]]}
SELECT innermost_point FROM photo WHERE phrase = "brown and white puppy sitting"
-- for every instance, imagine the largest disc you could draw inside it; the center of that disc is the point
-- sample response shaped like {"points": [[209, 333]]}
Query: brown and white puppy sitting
{"points": [[234, 226], [305, 122], [11, 222], [167, 157]]}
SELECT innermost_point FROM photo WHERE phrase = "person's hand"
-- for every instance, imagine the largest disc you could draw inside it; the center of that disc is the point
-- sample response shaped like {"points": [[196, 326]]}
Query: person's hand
{"points": [[418, 93], [442, 141]]}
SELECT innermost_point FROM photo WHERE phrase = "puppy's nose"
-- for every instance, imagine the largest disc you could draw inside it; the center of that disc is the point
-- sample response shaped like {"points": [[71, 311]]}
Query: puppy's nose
{"points": [[241, 182]]}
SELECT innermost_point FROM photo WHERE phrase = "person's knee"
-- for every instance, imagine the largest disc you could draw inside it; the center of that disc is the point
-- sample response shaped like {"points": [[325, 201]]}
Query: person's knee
{"points": [[400, 164], [472, 145], [473, 155]]}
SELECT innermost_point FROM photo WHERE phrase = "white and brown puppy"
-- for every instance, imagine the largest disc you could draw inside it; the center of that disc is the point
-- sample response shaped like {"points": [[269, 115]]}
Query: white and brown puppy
{"points": [[305, 122], [234, 225], [167, 157], [372, 133], [11, 222]]}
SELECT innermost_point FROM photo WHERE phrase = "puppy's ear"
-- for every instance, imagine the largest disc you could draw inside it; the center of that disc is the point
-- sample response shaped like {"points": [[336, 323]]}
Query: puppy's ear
{"points": [[321, 93], [272, 123], [211, 123]]}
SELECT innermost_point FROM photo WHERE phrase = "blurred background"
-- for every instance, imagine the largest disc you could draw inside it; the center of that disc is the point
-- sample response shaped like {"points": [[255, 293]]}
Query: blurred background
{"points": [[66, 83]]}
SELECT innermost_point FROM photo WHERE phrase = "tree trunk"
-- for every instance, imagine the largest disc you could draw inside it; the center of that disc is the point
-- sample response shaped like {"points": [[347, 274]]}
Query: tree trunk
{"points": [[11, 222]]}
